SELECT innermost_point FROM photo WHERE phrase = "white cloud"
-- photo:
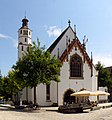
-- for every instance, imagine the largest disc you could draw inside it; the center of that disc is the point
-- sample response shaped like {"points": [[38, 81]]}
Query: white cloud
{"points": [[54, 31], [5, 37], [2, 36], [106, 60]]}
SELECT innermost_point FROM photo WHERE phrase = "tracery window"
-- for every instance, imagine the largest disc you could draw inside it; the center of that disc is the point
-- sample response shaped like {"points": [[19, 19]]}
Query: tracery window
{"points": [[76, 66]]}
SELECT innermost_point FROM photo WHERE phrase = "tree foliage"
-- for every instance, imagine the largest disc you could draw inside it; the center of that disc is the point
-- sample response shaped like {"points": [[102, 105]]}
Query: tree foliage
{"points": [[9, 85], [104, 78], [37, 66]]}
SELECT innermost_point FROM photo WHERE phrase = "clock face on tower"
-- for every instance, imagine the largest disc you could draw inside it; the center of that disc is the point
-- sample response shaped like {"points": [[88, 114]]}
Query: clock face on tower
{"points": [[25, 32]]}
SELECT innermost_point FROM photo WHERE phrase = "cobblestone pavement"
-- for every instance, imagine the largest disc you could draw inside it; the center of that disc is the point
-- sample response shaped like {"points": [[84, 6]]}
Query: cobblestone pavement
{"points": [[8, 114]]}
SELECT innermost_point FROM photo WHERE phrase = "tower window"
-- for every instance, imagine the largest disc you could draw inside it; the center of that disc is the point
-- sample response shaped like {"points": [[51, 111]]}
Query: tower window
{"points": [[20, 31], [21, 48], [25, 39], [29, 33], [76, 66], [47, 92], [25, 32]]}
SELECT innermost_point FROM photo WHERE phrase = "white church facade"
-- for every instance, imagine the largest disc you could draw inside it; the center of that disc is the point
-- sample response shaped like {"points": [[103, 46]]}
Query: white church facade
{"points": [[77, 71]]}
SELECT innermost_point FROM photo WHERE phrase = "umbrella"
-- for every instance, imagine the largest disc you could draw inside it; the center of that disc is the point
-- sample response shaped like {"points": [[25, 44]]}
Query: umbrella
{"points": [[83, 93], [101, 93]]}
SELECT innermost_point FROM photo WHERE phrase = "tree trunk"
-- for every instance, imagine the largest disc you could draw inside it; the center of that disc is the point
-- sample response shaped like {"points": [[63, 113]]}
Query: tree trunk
{"points": [[35, 95]]}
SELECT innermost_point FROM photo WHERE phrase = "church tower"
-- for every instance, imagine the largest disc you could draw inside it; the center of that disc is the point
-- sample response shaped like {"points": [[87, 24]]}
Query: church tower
{"points": [[24, 40], [24, 37]]}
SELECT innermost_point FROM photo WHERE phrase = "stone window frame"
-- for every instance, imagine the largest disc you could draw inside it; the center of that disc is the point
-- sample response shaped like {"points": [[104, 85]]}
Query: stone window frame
{"points": [[77, 67]]}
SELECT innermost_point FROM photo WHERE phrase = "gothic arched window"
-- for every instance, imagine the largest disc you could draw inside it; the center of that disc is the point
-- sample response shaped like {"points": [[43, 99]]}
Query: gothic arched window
{"points": [[76, 66]]}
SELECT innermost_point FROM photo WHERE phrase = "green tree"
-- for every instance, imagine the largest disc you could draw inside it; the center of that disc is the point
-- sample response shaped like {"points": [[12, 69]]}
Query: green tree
{"points": [[37, 66], [1, 86], [10, 86], [103, 76]]}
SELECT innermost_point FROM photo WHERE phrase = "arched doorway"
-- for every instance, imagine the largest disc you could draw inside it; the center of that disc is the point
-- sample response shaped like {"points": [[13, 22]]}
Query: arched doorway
{"points": [[67, 98]]}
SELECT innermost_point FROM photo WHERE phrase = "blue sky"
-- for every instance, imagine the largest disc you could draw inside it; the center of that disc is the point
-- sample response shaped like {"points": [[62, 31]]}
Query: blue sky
{"points": [[48, 18]]}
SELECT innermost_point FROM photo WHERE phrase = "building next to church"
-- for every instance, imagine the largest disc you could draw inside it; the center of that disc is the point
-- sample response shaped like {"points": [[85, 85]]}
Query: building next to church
{"points": [[77, 71]]}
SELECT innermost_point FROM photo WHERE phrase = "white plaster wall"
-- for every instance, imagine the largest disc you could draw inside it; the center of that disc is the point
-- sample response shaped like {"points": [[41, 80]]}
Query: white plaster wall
{"points": [[30, 94], [41, 96], [94, 84], [20, 52], [95, 79], [53, 91], [86, 82], [75, 84], [23, 94]]}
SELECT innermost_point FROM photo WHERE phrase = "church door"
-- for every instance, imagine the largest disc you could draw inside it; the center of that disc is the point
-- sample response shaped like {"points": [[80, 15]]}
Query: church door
{"points": [[67, 98]]}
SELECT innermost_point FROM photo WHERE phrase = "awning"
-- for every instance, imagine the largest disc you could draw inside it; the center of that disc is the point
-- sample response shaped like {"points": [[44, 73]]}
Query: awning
{"points": [[101, 93], [84, 93]]}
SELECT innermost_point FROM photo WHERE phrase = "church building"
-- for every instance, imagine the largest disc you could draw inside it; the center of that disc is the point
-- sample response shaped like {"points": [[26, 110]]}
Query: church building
{"points": [[77, 71]]}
